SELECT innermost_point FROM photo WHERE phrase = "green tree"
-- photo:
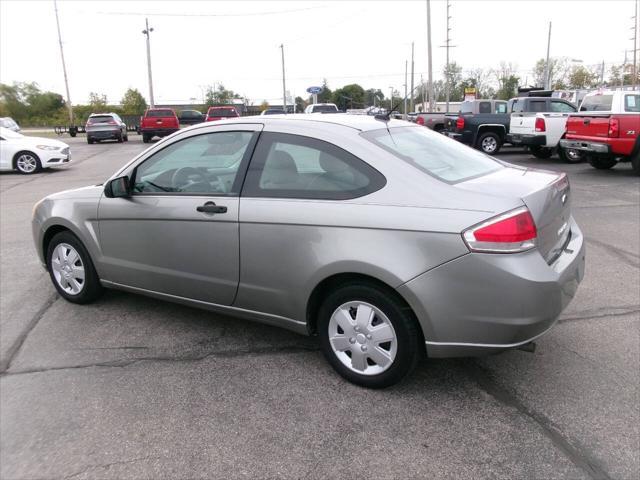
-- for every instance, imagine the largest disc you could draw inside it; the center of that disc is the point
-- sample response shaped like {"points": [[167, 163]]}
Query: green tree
{"points": [[507, 80], [219, 96], [453, 75], [326, 94], [349, 96], [373, 96], [559, 69], [264, 105], [133, 103], [300, 104], [98, 101]]}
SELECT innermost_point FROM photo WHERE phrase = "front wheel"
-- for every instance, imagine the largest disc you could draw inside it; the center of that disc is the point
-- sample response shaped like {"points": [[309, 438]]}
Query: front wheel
{"points": [[601, 163], [71, 269], [27, 163], [489, 143], [541, 152], [369, 336], [570, 155]]}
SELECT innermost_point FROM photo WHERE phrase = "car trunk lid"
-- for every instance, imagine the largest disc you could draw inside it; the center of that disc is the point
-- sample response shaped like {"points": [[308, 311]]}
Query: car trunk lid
{"points": [[546, 195], [589, 125]]}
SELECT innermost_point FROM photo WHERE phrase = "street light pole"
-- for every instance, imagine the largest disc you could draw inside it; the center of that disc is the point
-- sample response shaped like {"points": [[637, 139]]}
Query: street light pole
{"points": [[64, 67], [404, 113], [146, 32], [412, 104], [391, 100], [547, 67], [284, 89], [430, 66]]}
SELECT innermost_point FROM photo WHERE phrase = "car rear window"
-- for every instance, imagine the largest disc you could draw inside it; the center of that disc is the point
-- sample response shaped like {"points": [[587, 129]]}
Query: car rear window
{"points": [[466, 107], [159, 113], [597, 103], [101, 119], [325, 109], [632, 103], [223, 112], [434, 154]]}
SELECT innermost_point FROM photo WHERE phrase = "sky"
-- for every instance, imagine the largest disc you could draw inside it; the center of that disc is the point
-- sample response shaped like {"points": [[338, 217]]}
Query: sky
{"points": [[237, 43]]}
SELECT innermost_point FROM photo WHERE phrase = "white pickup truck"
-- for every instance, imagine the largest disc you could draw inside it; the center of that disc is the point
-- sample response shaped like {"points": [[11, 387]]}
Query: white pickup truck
{"points": [[542, 127]]}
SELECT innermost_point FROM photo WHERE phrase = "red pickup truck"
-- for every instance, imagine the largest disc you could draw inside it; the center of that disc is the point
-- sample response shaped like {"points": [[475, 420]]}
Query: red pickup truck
{"points": [[606, 129], [158, 122]]}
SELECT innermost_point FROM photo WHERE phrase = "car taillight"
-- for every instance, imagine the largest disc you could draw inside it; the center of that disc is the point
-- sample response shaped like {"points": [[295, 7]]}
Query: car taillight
{"points": [[420, 121], [512, 232], [614, 127], [540, 126], [112, 122], [460, 123]]}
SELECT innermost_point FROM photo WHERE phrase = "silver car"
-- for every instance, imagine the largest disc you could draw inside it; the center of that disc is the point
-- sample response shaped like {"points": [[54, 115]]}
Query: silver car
{"points": [[385, 239], [105, 126]]}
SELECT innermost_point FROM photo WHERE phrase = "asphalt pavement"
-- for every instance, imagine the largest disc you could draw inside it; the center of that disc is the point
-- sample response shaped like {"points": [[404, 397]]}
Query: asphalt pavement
{"points": [[131, 387]]}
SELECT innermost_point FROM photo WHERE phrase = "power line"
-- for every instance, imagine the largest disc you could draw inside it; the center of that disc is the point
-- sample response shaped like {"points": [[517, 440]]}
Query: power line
{"points": [[250, 14]]}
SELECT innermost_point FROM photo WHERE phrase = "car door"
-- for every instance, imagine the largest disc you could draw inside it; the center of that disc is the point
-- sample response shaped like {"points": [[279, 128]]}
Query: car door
{"points": [[177, 233], [8, 148], [557, 120]]}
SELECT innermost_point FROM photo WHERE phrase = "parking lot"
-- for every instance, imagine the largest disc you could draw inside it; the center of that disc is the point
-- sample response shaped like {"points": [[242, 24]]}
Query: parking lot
{"points": [[132, 387]]}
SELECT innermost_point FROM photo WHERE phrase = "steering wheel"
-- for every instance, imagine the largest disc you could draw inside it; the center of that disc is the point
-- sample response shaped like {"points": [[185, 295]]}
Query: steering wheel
{"points": [[181, 179]]}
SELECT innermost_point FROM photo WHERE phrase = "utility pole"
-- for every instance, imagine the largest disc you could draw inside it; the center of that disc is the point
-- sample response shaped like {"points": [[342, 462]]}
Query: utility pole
{"points": [[447, 45], [422, 97], [404, 116], [146, 33], [284, 88], [64, 67], [602, 74], [634, 80], [391, 100], [412, 51], [547, 69], [430, 65], [624, 66]]}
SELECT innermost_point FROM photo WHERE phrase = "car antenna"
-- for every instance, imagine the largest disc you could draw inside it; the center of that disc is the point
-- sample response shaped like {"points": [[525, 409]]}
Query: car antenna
{"points": [[385, 117]]}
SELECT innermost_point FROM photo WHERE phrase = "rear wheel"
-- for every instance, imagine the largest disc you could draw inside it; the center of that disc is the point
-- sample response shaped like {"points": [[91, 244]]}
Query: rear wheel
{"points": [[489, 143], [89, 140], [570, 155], [27, 163], [146, 138], [71, 269], [368, 335], [601, 163], [120, 138], [126, 137], [541, 152]]}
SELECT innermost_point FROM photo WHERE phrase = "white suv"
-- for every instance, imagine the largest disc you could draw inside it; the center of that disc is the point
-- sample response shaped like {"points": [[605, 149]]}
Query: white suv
{"points": [[322, 108]]}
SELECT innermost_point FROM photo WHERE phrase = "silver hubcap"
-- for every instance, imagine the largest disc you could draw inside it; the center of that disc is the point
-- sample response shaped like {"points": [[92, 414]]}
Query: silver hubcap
{"points": [[362, 338], [26, 163], [573, 154], [489, 144], [68, 269]]}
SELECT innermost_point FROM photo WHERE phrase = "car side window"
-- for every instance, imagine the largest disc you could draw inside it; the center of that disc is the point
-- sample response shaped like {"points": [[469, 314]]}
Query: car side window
{"points": [[518, 106], [207, 164], [484, 107], [293, 166], [632, 103], [538, 106], [501, 107], [562, 107]]}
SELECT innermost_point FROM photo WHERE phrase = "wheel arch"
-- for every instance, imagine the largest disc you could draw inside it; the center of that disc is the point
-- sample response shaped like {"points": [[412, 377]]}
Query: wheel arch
{"points": [[14, 160], [329, 284], [496, 128]]}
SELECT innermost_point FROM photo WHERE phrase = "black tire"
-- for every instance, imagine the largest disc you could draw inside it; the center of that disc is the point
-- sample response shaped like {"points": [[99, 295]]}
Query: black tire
{"points": [[91, 288], [120, 138], [541, 152], [89, 140], [489, 143], [25, 168], [410, 343], [126, 137], [601, 163], [635, 163], [146, 138], [570, 155]]}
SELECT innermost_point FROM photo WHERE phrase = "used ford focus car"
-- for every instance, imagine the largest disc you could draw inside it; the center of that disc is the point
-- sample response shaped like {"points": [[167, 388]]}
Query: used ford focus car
{"points": [[385, 239]]}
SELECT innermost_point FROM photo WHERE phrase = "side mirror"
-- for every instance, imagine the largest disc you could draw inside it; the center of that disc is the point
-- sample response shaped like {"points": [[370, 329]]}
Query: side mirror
{"points": [[118, 188]]}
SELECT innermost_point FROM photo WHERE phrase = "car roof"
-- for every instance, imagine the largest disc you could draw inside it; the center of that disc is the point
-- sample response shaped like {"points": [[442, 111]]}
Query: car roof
{"points": [[358, 122], [222, 106]]}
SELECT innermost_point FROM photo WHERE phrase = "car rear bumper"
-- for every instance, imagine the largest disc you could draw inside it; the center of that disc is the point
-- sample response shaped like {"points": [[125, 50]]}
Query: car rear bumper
{"points": [[593, 147], [158, 132], [465, 138], [526, 140], [483, 303], [103, 134]]}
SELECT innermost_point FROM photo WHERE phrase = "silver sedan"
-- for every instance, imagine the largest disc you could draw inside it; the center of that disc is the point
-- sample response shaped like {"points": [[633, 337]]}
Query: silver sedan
{"points": [[384, 239]]}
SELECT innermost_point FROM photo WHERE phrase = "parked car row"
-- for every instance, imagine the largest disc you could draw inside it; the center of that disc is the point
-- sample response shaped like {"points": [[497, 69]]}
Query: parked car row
{"points": [[604, 132]]}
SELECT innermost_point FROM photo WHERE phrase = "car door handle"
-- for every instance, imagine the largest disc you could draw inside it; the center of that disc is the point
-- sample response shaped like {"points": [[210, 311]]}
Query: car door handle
{"points": [[211, 207]]}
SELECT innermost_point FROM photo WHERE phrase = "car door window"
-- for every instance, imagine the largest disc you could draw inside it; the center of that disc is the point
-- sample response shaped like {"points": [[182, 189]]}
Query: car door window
{"points": [[501, 107], [293, 166], [208, 164], [538, 106], [561, 107]]}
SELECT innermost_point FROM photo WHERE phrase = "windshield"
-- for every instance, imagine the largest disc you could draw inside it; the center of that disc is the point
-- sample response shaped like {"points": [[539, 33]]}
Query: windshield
{"points": [[433, 153], [597, 103], [6, 133]]}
